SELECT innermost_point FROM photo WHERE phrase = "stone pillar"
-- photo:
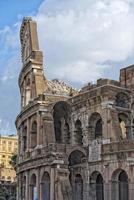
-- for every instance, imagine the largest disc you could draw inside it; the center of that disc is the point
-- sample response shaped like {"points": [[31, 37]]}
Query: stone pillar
{"points": [[128, 132], [110, 119], [19, 188], [48, 128], [106, 189], [114, 190], [106, 119], [62, 184], [86, 190], [21, 140], [30, 191], [38, 184], [86, 181], [85, 137], [131, 191], [27, 185], [38, 129], [28, 134], [92, 190], [91, 131]]}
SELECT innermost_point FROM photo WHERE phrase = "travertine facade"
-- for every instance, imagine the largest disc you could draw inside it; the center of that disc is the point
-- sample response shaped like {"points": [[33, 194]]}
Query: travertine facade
{"points": [[73, 145]]}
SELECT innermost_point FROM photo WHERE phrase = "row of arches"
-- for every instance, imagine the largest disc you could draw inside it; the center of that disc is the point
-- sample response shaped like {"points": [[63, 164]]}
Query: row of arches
{"points": [[62, 127], [33, 187], [119, 185], [62, 122], [97, 187], [119, 188], [33, 136]]}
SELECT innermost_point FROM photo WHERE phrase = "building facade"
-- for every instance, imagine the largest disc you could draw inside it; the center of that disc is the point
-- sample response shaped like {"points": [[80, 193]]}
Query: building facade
{"points": [[73, 144], [8, 147]]}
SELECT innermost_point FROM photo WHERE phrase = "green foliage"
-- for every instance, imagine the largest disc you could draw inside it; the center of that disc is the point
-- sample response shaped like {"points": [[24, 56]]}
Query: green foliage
{"points": [[14, 161]]}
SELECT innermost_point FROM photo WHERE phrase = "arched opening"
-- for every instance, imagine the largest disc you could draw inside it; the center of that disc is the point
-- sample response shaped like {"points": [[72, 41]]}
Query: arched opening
{"points": [[75, 159], [78, 194], [122, 100], [78, 132], [124, 127], [98, 128], [33, 134], [96, 186], [33, 188], [99, 188], [61, 115], [24, 139], [95, 126], [123, 186], [120, 185], [45, 187]]}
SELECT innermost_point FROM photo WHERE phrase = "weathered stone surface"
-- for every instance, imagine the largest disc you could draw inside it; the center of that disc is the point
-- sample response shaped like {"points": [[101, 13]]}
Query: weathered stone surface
{"points": [[73, 144]]}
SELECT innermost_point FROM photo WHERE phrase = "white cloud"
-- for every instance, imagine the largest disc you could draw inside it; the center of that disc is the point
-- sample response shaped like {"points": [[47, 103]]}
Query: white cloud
{"points": [[9, 68], [77, 37]]}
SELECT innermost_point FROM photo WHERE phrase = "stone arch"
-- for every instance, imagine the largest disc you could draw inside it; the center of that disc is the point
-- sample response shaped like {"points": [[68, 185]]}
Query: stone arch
{"points": [[69, 150], [33, 187], [24, 138], [124, 125], [96, 186], [78, 188], [62, 122], [120, 185], [33, 134], [95, 126], [75, 159], [45, 186], [78, 136], [122, 100]]}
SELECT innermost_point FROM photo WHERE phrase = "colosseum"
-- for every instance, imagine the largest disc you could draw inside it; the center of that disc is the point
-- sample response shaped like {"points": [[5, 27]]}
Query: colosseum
{"points": [[73, 144]]}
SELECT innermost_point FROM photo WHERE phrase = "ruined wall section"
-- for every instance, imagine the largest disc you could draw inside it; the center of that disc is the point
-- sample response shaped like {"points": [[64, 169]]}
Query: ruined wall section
{"points": [[31, 78], [99, 101], [127, 77]]}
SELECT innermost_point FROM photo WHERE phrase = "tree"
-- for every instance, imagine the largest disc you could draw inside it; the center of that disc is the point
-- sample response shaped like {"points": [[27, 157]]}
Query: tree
{"points": [[14, 161]]}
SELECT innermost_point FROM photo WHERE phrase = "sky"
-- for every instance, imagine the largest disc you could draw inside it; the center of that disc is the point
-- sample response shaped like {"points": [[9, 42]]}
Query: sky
{"points": [[82, 40]]}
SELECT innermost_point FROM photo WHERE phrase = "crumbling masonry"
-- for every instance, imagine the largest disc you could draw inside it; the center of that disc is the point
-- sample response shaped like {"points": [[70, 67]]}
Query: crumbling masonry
{"points": [[73, 145]]}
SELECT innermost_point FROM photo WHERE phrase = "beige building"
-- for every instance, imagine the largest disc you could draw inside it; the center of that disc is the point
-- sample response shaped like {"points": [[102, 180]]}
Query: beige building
{"points": [[73, 145], [8, 147]]}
